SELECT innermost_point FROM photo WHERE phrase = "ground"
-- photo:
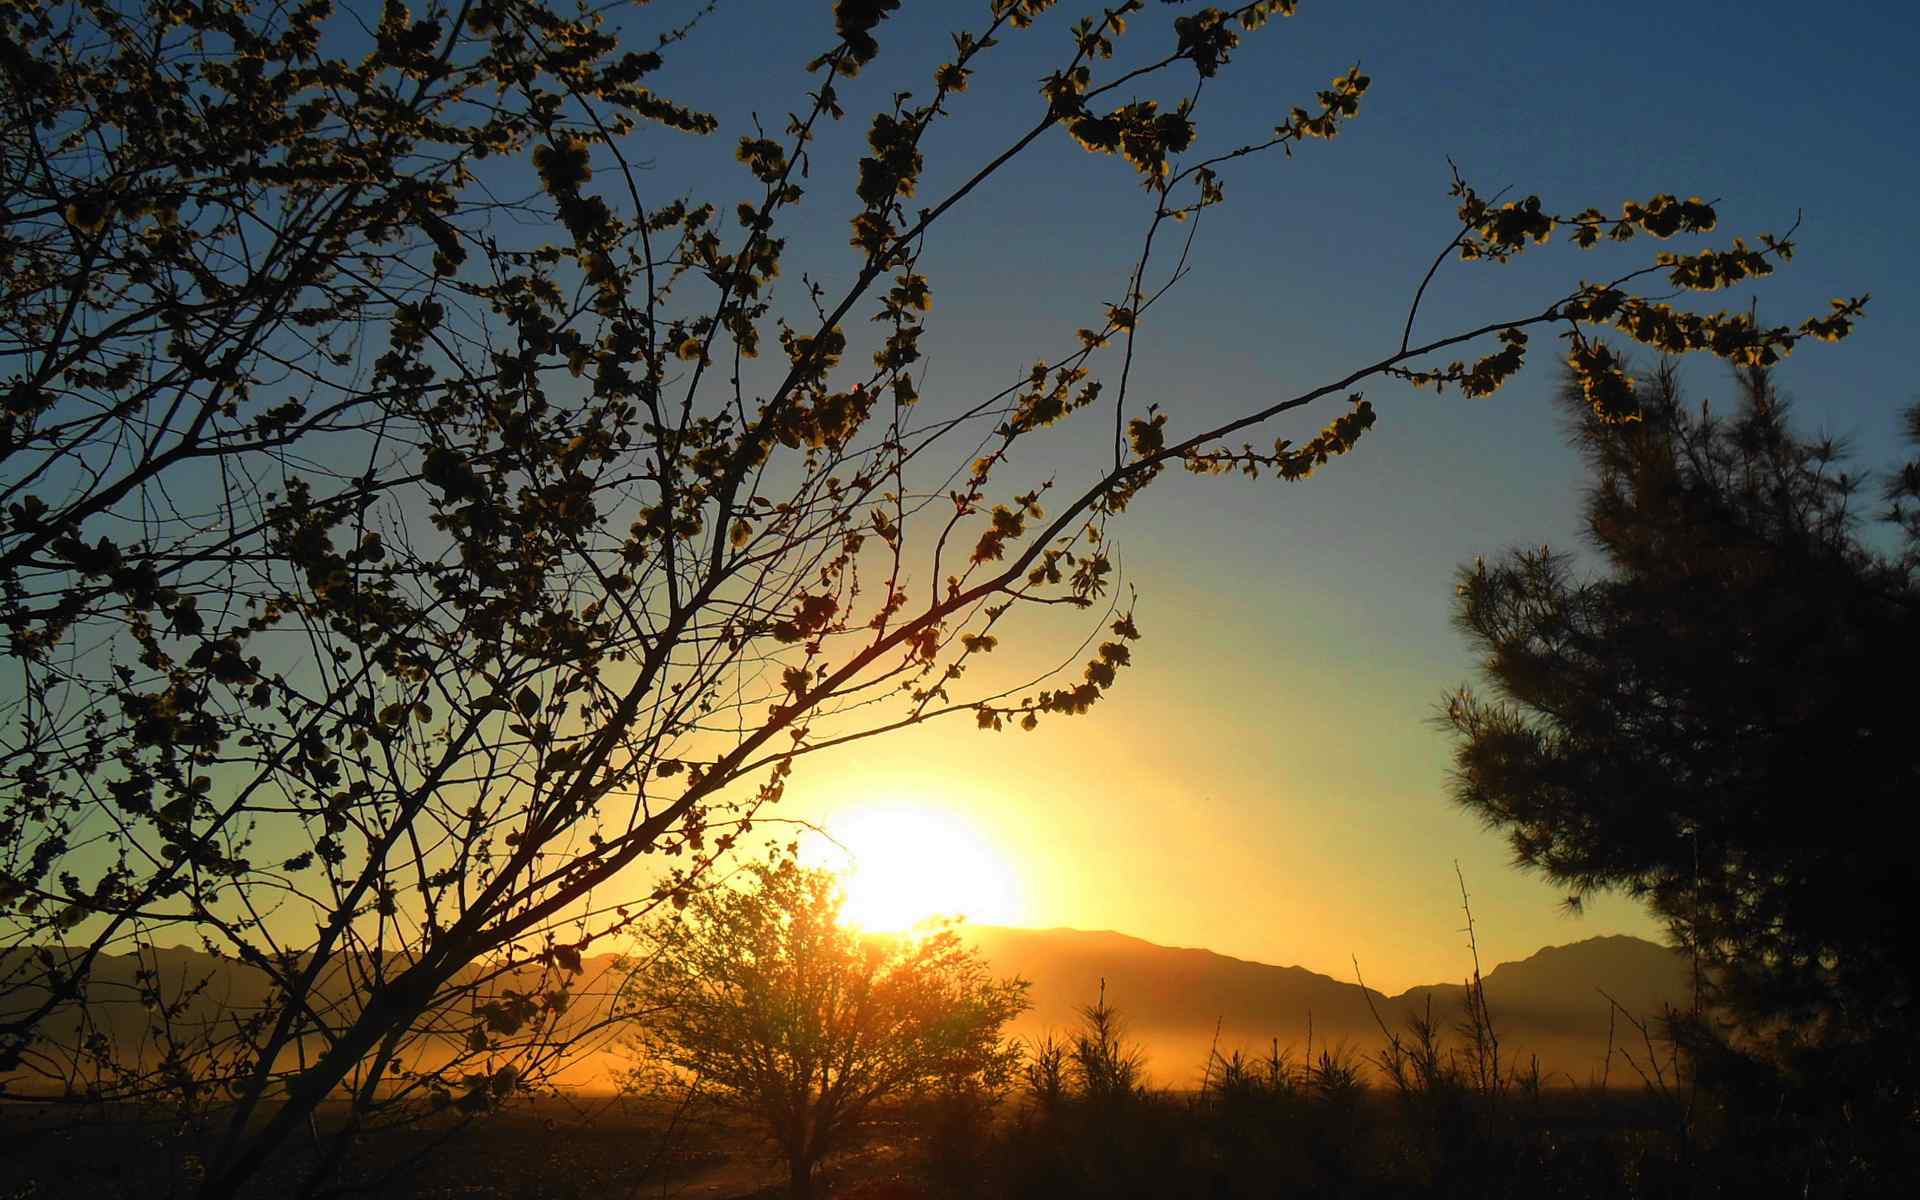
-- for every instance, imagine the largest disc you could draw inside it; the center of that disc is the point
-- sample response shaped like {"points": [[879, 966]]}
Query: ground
{"points": [[549, 1149]]}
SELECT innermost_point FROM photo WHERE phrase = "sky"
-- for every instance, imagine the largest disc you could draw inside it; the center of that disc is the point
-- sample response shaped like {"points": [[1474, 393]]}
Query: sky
{"points": [[1267, 781]]}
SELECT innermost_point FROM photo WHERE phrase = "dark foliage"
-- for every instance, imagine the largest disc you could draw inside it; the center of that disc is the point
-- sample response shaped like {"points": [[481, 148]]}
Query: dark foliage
{"points": [[1715, 724], [1273, 1125]]}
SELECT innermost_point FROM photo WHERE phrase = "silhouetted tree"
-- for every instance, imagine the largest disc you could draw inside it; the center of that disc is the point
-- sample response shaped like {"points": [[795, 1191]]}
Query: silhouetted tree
{"points": [[763, 997], [1106, 1069], [415, 521], [1719, 720]]}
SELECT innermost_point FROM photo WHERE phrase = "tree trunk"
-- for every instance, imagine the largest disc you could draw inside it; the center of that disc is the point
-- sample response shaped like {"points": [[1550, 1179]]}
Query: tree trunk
{"points": [[393, 1006], [800, 1177]]}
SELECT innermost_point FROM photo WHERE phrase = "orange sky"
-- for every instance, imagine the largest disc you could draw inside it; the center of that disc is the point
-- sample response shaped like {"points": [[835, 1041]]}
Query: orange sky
{"points": [[1179, 812]]}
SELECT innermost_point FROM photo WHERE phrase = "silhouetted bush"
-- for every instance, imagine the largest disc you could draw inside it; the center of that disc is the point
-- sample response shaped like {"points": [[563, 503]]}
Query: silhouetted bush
{"points": [[957, 1126], [1425, 1115]]}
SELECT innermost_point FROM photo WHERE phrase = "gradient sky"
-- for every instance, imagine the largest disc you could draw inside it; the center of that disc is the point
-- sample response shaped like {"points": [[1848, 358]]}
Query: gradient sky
{"points": [[1266, 781]]}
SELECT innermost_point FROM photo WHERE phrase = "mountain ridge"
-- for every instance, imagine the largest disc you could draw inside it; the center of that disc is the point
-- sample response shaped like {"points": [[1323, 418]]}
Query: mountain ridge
{"points": [[1185, 1003], [1181, 1003]]}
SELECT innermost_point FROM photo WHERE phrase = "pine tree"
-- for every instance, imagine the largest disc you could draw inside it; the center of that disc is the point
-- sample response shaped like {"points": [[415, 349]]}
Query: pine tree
{"points": [[1720, 721]]}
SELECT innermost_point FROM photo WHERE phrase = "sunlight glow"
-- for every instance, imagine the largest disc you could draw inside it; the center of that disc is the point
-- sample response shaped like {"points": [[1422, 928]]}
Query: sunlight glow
{"points": [[901, 866]]}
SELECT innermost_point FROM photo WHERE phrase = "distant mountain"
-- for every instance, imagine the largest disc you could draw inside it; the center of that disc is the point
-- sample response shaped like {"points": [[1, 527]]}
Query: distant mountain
{"points": [[204, 1000], [1173, 999], [1558, 990]]}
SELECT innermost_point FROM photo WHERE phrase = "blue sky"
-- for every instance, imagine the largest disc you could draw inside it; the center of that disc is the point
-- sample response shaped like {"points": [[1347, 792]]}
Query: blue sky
{"points": [[1266, 781]]}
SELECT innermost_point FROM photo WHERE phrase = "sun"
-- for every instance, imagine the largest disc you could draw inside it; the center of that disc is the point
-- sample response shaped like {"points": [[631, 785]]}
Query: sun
{"points": [[902, 866]]}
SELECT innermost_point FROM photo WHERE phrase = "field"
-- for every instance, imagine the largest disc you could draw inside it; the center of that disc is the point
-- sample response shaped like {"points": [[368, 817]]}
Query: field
{"points": [[548, 1149], [562, 1148]]}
